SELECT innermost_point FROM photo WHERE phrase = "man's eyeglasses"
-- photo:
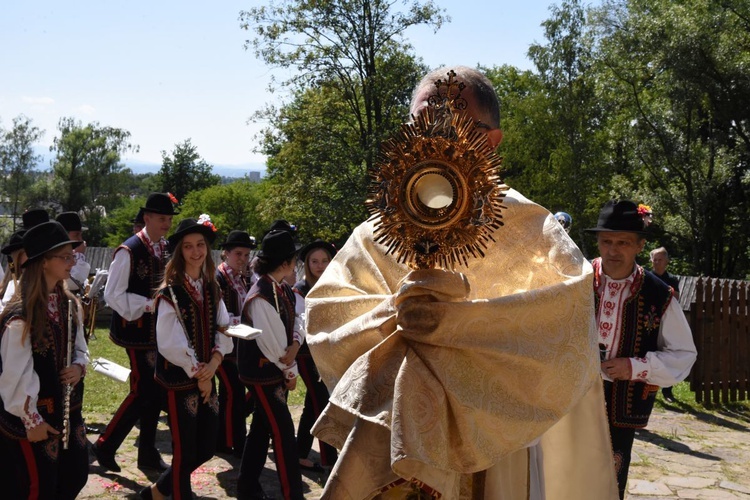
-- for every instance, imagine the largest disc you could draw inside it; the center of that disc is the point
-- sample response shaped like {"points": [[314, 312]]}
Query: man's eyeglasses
{"points": [[68, 258]]}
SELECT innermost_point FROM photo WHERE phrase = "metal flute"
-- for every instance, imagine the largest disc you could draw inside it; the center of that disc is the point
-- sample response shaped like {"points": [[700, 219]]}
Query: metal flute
{"points": [[68, 387]]}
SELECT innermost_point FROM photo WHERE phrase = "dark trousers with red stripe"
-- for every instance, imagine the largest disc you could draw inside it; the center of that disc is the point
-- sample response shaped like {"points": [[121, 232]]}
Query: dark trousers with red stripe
{"points": [[232, 431], [193, 424], [316, 400], [144, 403], [271, 419], [43, 470]]}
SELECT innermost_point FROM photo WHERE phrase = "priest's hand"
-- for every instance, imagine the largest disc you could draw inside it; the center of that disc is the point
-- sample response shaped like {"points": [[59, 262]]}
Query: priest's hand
{"points": [[420, 303]]}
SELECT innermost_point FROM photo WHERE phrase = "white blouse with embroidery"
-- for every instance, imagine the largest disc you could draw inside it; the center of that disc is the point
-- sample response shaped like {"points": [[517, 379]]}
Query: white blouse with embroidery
{"points": [[171, 341], [675, 353], [130, 306], [272, 342], [19, 383]]}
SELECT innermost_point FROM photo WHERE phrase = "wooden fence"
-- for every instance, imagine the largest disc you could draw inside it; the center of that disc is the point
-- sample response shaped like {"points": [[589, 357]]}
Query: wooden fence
{"points": [[719, 318]]}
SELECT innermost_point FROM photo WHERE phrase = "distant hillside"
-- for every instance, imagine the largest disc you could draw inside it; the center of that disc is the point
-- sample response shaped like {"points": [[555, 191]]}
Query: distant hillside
{"points": [[222, 170], [141, 167]]}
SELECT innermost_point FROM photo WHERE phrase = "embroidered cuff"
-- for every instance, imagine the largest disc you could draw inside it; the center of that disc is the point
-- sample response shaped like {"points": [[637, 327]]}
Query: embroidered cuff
{"points": [[291, 372], [83, 369], [641, 370], [217, 350], [31, 420], [296, 336], [234, 320], [149, 307]]}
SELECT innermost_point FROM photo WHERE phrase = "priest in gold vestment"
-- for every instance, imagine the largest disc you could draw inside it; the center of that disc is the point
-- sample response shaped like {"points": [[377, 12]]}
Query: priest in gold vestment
{"points": [[444, 380]]}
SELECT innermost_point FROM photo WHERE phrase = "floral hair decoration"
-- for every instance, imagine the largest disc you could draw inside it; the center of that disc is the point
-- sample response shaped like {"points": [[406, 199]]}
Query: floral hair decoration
{"points": [[205, 220], [172, 198], [646, 214]]}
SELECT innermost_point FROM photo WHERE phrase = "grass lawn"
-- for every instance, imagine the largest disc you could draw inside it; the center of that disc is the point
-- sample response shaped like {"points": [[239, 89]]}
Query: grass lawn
{"points": [[103, 395]]}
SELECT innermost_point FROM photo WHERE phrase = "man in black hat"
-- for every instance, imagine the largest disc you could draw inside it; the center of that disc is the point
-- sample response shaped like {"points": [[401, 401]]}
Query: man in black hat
{"points": [[135, 272], [71, 221], [644, 339]]}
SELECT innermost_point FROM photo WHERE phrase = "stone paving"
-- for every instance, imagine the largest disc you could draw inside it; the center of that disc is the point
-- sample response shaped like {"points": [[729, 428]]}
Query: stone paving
{"points": [[691, 455], [681, 455]]}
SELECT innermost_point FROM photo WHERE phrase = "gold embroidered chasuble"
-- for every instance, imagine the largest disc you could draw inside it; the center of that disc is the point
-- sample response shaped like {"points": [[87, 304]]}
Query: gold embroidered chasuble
{"points": [[496, 365]]}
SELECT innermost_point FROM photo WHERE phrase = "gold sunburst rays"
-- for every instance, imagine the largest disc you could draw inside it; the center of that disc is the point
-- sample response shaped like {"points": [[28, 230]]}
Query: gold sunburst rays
{"points": [[435, 193]]}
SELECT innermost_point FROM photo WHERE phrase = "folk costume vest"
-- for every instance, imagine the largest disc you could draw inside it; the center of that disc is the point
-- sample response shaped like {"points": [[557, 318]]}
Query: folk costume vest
{"points": [[232, 300], [146, 272], [630, 402], [200, 325], [253, 366], [49, 355]]}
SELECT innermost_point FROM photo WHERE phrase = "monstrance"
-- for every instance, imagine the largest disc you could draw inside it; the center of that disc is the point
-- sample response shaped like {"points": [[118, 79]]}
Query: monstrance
{"points": [[435, 193]]}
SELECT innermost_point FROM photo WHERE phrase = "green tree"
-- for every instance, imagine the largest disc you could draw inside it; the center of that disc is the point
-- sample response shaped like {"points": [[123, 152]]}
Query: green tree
{"points": [[230, 206], [183, 171], [87, 164], [568, 120], [118, 225], [17, 161], [679, 80], [351, 90]]}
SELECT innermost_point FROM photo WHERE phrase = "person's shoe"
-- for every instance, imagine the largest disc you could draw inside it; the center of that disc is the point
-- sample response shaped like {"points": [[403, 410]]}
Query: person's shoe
{"points": [[151, 459], [146, 494], [106, 460], [312, 466], [666, 392]]}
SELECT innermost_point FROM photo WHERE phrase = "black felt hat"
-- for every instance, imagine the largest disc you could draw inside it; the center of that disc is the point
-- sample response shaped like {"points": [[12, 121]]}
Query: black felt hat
{"points": [[160, 203], [45, 237], [138, 218], [189, 226], [238, 238], [620, 216], [318, 243], [34, 217], [71, 221], [14, 243], [282, 225], [277, 247]]}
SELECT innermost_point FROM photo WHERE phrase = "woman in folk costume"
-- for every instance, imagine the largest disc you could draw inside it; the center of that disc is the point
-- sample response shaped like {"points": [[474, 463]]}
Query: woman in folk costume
{"points": [[315, 256], [230, 275], [44, 358], [190, 319], [267, 367]]}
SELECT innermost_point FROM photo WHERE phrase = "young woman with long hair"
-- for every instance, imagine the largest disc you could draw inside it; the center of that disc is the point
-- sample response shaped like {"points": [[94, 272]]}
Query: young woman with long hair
{"points": [[316, 256], [191, 345], [267, 367], [41, 392]]}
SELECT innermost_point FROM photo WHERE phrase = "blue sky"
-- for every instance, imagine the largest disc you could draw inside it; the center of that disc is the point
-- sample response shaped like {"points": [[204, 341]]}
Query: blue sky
{"points": [[169, 70]]}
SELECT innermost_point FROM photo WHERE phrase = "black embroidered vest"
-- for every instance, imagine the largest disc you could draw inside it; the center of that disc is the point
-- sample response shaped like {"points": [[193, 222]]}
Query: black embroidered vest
{"points": [[146, 272], [629, 402], [253, 366], [49, 355], [200, 322]]}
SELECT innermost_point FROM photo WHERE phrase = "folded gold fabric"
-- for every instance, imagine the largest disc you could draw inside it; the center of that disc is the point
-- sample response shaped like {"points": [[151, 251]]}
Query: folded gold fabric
{"points": [[435, 375]]}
